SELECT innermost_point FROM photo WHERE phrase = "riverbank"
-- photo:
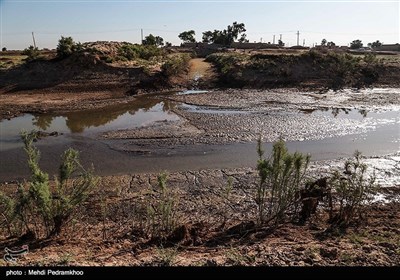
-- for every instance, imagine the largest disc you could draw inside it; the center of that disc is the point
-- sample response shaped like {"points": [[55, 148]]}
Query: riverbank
{"points": [[214, 129], [206, 142], [94, 78], [217, 228]]}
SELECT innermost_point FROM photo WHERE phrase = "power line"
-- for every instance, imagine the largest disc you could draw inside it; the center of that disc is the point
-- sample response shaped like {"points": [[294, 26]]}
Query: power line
{"points": [[33, 38], [351, 34], [162, 30]]}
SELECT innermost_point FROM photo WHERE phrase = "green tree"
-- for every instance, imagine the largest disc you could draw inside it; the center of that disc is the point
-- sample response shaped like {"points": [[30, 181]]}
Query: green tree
{"points": [[168, 44], [66, 46], [227, 36], [243, 39], [152, 40], [323, 42], [356, 44], [4, 49], [31, 52], [207, 37], [281, 43], [188, 36], [375, 44], [330, 44], [355, 189]]}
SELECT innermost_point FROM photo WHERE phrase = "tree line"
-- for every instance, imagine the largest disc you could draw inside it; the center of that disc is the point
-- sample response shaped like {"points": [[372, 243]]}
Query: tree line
{"points": [[356, 44], [225, 37]]}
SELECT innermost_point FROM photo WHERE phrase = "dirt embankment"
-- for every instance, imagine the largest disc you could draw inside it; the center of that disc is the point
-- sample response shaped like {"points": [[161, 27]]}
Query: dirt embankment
{"points": [[308, 70], [81, 81], [85, 80]]}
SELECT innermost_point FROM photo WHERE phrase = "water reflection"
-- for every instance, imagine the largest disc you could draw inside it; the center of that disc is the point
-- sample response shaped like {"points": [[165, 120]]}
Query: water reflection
{"points": [[363, 112], [42, 122], [336, 112], [79, 121]]}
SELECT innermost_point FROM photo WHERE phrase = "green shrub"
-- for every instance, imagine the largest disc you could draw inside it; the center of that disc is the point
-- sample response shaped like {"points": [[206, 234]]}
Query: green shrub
{"points": [[147, 52], [175, 65], [370, 58], [280, 178], [37, 207], [31, 52], [343, 70], [66, 46], [353, 189], [162, 213], [132, 52], [7, 208], [226, 63]]}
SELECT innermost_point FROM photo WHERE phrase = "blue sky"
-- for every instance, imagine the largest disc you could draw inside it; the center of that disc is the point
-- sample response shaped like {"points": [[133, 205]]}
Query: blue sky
{"points": [[338, 21]]}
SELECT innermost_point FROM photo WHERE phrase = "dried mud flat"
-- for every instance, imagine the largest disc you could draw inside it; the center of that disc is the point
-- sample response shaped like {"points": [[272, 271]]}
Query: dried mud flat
{"points": [[241, 116], [217, 229]]}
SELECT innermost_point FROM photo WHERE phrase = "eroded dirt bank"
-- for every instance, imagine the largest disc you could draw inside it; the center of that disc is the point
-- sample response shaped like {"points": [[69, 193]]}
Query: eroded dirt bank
{"points": [[86, 80]]}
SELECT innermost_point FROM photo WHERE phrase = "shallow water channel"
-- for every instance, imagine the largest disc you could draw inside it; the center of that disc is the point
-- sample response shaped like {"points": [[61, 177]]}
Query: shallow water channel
{"points": [[379, 134]]}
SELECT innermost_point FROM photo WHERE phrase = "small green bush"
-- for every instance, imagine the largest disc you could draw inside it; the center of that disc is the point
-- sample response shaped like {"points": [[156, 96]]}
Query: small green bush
{"points": [[31, 52], [66, 46], [7, 208], [38, 208], [370, 58], [280, 178], [227, 63], [132, 52], [162, 213], [175, 65], [354, 189]]}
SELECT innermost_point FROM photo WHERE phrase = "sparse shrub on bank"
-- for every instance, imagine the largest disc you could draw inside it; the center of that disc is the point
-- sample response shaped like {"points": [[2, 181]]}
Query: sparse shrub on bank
{"points": [[162, 216], [354, 189], [175, 65], [66, 46], [280, 179], [31, 52], [39, 209], [226, 63], [330, 70], [132, 52]]}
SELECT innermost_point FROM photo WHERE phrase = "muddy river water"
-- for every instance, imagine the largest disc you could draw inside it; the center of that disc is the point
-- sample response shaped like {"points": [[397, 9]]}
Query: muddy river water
{"points": [[197, 129]]}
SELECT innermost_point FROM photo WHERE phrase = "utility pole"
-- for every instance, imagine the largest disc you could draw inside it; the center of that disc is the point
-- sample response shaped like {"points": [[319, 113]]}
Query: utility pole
{"points": [[273, 41], [141, 36], [298, 34], [34, 42]]}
